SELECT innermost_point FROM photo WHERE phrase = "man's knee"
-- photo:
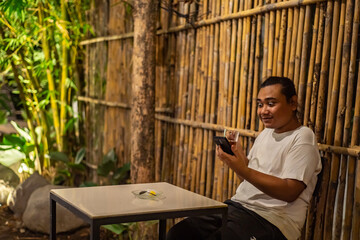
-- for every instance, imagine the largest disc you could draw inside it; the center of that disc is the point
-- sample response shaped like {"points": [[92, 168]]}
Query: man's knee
{"points": [[183, 230]]}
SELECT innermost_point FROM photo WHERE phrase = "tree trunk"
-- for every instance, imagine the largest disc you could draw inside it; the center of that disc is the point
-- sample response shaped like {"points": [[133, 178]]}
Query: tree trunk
{"points": [[143, 92]]}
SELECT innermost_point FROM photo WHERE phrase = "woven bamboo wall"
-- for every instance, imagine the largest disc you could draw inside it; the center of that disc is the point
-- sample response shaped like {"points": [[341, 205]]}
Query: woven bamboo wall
{"points": [[211, 58]]}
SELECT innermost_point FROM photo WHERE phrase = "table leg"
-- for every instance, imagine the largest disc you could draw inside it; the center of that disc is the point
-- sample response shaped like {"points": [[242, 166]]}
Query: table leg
{"points": [[162, 229], [52, 219], [224, 221], [94, 231]]}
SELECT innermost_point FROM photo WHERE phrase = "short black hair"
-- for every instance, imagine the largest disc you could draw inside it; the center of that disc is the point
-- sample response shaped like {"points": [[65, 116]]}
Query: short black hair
{"points": [[288, 87]]}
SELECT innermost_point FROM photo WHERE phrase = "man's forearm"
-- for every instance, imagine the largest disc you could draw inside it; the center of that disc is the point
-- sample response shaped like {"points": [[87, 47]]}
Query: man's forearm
{"points": [[284, 189]]}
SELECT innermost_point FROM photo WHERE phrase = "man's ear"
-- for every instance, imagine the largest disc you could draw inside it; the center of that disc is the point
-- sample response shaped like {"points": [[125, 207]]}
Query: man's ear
{"points": [[294, 102]]}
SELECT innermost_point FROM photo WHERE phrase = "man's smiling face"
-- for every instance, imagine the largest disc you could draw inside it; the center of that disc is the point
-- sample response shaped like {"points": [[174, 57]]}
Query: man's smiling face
{"points": [[275, 111]]}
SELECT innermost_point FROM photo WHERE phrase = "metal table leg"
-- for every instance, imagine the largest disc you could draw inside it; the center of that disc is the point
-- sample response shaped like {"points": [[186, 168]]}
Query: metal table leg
{"points": [[162, 229], [94, 230], [52, 219]]}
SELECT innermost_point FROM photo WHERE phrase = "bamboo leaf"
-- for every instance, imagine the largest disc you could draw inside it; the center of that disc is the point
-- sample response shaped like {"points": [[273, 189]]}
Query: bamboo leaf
{"points": [[80, 155], [59, 156], [22, 132], [11, 156], [116, 228]]}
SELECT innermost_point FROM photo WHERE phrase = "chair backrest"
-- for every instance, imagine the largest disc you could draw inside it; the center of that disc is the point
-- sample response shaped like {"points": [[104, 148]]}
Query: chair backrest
{"points": [[308, 229]]}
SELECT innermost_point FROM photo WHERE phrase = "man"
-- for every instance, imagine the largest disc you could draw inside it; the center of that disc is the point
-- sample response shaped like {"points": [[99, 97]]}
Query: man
{"points": [[279, 175]]}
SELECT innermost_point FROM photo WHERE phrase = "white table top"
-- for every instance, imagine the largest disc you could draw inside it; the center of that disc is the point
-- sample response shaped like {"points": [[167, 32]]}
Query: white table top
{"points": [[118, 200]]}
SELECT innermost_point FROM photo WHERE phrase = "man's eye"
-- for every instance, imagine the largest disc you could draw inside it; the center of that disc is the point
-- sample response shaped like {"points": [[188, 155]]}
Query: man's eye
{"points": [[259, 105], [271, 104]]}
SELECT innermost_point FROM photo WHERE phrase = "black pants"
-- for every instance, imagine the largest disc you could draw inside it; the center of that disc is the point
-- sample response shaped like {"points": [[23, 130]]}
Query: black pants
{"points": [[242, 224]]}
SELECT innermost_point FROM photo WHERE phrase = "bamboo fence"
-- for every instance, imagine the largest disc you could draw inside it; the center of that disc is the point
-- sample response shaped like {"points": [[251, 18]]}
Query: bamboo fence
{"points": [[211, 58]]}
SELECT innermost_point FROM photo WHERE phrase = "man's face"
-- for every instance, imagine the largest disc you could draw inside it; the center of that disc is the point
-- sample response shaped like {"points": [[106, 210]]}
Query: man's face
{"points": [[274, 110]]}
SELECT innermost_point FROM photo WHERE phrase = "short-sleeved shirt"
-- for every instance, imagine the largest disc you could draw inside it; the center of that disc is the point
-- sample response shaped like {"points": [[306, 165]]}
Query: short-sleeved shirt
{"points": [[289, 155]]}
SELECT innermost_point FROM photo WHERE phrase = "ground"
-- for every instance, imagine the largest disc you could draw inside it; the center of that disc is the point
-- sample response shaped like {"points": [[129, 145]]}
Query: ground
{"points": [[11, 228]]}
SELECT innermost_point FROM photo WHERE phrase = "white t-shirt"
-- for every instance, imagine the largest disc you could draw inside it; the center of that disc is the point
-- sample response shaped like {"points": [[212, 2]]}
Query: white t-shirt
{"points": [[291, 155]]}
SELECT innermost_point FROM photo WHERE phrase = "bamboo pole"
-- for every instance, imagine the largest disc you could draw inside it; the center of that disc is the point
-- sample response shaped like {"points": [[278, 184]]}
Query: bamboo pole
{"points": [[271, 42], [317, 67], [351, 168], [293, 45], [335, 163], [355, 141], [304, 63], [182, 95], [230, 107], [196, 160], [340, 138], [334, 39], [201, 156], [309, 83], [282, 41], [276, 40], [206, 143], [196, 82], [323, 73], [256, 71], [266, 44], [64, 74], [310, 77], [319, 116], [299, 43], [237, 71], [215, 81], [288, 41], [51, 82]]}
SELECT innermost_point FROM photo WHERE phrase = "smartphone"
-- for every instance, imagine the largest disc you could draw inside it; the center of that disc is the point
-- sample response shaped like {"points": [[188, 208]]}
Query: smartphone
{"points": [[224, 144]]}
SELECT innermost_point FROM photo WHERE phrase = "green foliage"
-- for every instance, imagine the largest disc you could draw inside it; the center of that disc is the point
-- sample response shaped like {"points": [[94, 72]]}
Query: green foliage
{"points": [[113, 174], [19, 148], [32, 34], [68, 171]]}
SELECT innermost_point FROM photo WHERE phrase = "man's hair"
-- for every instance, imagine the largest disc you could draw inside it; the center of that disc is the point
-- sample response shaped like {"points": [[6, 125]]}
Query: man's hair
{"points": [[287, 86]]}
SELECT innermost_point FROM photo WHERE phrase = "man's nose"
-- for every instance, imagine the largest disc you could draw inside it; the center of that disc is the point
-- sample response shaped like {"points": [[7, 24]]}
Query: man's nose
{"points": [[264, 110]]}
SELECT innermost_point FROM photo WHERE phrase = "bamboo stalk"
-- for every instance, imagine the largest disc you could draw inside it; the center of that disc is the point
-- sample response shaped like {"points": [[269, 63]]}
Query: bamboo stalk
{"points": [[351, 168], [288, 41], [335, 163], [195, 166], [158, 137], [334, 39], [200, 167], [355, 141], [256, 71], [309, 83], [64, 75], [51, 82], [276, 40], [206, 141], [266, 44], [237, 72], [293, 45], [340, 139], [271, 42], [323, 73], [282, 42], [298, 47], [303, 63], [211, 164], [317, 67], [196, 81], [215, 81]]}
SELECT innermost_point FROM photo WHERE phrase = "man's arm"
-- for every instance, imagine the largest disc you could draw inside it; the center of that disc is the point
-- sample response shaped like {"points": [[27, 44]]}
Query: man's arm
{"points": [[284, 189]]}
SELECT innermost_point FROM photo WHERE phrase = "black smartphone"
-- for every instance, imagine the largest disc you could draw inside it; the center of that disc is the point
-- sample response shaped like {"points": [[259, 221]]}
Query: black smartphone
{"points": [[224, 144]]}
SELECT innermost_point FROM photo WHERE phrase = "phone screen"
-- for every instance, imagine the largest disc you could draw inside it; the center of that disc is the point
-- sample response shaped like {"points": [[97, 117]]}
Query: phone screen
{"points": [[224, 144]]}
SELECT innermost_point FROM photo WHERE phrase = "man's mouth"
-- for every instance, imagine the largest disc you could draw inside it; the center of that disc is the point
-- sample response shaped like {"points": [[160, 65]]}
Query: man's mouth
{"points": [[266, 119]]}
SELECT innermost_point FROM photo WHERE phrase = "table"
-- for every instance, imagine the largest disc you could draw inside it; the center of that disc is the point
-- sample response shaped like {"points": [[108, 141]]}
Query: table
{"points": [[117, 204]]}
